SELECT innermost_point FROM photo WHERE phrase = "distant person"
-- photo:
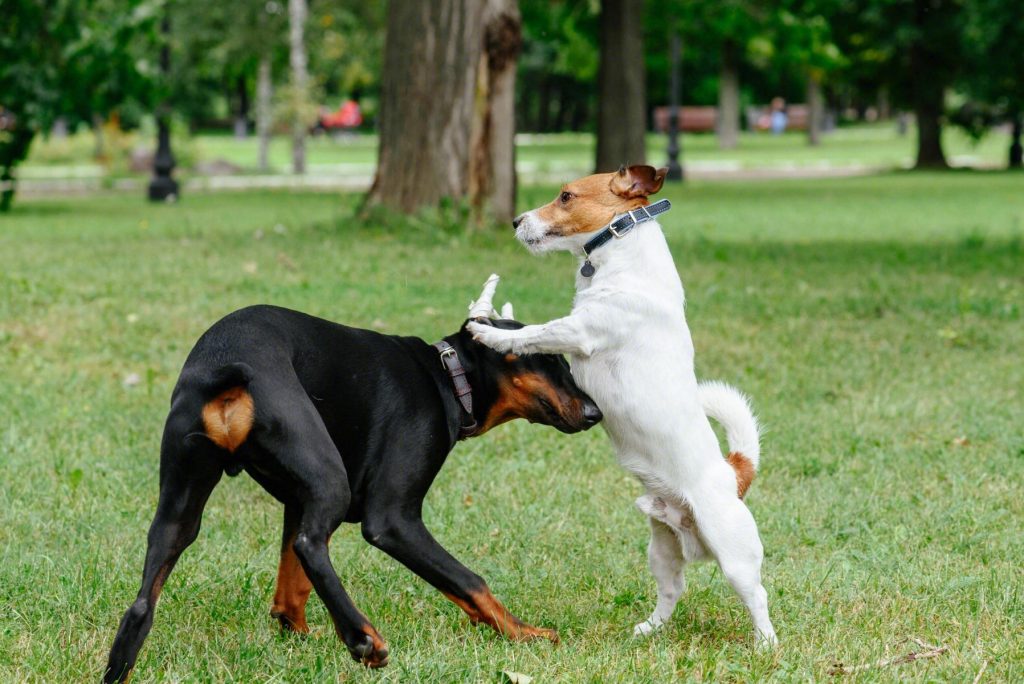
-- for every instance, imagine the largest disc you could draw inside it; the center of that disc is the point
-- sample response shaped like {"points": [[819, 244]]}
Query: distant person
{"points": [[350, 115], [779, 119]]}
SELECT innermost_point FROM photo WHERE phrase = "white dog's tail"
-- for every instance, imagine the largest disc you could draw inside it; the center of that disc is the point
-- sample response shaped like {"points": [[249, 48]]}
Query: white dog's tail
{"points": [[730, 408]]}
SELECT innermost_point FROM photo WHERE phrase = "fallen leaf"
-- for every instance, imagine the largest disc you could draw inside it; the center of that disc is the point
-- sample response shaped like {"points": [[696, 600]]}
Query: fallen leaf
{"points": [[515, 677], [131, 380], [250, 267], [961, 441]]}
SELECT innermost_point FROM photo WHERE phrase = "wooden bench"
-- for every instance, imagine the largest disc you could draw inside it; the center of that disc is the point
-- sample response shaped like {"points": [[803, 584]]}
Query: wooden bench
{"points": [[691, 119]]}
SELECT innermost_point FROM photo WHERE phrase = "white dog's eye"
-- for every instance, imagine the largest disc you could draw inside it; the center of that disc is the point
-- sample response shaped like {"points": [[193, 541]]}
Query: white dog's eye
{"points": [[565, 196]]}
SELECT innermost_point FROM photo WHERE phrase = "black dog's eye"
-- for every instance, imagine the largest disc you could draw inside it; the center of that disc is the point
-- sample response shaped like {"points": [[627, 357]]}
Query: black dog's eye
{"points": [[565, 196]]}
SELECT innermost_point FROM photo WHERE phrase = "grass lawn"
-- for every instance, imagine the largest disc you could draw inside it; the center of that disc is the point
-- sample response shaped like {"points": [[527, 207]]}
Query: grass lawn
{"points": [[876, 322], [554, 156]]}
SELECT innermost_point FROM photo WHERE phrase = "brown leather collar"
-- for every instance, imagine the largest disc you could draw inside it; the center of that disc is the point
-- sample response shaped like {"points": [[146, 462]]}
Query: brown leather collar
{"points": [[463, 390]]}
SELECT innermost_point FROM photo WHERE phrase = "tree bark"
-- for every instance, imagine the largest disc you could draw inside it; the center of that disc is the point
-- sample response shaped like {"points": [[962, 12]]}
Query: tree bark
{"points": [[264, 112], [492, 181], [928, 91], [1016, 157], [729, 97], [297, 13], [431, 55], [815, 109], [242, 114], [621, 100]]}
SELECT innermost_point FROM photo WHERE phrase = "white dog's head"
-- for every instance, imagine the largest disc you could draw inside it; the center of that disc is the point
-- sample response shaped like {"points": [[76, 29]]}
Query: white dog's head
{"points": [[585, 206]]}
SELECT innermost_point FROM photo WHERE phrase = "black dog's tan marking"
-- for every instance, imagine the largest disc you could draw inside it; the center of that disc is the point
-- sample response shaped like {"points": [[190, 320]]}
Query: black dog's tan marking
{"points": [[228, 418], [482, 606], [339, 425]]}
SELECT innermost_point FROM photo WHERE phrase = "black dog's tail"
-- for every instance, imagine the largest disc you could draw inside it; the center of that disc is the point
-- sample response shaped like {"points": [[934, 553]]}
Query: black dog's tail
{"points": [[227, 377]]}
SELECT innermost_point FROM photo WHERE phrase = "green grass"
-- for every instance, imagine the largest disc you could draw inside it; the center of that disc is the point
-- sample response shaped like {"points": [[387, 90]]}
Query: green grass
{"points": [[877, 323], [549, 156]]}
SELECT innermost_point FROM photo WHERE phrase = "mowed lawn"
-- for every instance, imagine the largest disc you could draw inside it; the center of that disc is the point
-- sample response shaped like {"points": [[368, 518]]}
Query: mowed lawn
{"points": [[877, 323]]}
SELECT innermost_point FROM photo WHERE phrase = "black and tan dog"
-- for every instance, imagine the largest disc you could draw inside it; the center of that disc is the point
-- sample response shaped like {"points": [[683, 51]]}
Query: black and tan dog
{"points": [[340, 425]]}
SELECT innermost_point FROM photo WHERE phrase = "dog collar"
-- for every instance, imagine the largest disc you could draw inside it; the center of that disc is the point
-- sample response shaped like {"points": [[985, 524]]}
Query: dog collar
{"points": [[463, 390], [619, 227]]}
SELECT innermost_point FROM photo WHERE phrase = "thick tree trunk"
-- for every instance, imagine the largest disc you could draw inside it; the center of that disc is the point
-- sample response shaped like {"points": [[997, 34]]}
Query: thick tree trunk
{"points": [[264, 112], [242, 114], [815, 109], [431, 55], [1016, 158], [729, 97], [492, 182], [928, 91], [621, 99], [297, 12], [929, 101]]}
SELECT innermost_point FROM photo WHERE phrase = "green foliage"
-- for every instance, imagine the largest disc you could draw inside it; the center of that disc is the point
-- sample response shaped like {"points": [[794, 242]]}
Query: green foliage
{"points": [[993, 79], [68, 59]]}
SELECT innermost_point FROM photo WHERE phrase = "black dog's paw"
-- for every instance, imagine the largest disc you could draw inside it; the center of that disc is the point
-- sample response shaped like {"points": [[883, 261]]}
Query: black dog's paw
{"points": [[369, 649]]}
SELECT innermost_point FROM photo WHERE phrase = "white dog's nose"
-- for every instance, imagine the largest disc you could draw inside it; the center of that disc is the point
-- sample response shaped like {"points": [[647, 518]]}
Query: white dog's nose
{"points": [[517, 220]]}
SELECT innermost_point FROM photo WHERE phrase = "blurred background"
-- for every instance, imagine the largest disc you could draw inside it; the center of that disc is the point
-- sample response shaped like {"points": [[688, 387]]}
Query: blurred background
{"points": [[844, 218], [332, 94]]}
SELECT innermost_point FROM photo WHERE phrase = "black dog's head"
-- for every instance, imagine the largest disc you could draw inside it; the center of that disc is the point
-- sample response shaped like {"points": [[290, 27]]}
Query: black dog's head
{"points": [[537, 387]]}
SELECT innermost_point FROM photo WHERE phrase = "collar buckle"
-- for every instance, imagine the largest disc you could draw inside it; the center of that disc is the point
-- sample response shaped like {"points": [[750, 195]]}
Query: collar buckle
{"points": [[646, 215]]}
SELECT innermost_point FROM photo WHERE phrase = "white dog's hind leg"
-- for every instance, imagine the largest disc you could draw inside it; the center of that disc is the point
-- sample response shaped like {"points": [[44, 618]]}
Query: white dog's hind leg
{"points": [[665, 557], [730, 534]]}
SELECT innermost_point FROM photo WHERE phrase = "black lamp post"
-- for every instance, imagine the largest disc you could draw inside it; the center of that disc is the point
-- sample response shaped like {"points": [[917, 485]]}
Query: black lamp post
{"points": [[675, 169], [163, 188]]}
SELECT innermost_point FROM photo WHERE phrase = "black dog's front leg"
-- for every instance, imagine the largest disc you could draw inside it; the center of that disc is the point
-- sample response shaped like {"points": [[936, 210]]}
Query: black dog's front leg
{"points": [[406, 539]]}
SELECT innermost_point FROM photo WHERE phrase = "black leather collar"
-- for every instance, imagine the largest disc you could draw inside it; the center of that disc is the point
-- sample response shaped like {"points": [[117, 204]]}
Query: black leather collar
{"points": [[620, 227], [463, 390]]}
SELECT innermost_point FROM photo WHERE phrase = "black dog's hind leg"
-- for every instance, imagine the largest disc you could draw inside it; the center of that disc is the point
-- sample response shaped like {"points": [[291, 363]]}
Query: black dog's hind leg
{"points": [[186, 480], [404, 537], [293, 586]]}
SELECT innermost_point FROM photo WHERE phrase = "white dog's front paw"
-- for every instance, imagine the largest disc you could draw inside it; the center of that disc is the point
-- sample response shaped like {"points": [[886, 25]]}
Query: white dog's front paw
{"points": [[495, 338], [766, 641], [647, 627]]}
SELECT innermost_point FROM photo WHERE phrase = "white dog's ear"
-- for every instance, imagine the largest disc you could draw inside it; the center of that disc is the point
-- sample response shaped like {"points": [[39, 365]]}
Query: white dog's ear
{"points": [[483, 307], [506, 311], [637, 181]]}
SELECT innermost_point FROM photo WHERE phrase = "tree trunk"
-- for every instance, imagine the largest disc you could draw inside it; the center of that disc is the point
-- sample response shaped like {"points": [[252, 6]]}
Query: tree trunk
{"points": [[884, 104], [297, 12], [13, 151], [492, 182], [729, 97], [264, 113], [815, 109], [431, 55], [99, 151], [242, 115], [1016, 159], [621, 99], [927, 91]]}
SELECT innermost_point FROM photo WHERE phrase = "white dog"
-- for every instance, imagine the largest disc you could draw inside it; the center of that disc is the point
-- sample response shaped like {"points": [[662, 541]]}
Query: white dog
{"points": [[631, 351]]}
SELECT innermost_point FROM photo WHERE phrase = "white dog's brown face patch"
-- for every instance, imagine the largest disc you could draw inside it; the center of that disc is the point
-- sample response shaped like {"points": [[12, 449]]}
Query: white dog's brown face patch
{"points": [[591, 202]]}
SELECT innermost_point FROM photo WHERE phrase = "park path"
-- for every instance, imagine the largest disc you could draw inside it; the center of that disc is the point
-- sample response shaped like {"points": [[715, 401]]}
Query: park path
{"points": [[360, 182]]}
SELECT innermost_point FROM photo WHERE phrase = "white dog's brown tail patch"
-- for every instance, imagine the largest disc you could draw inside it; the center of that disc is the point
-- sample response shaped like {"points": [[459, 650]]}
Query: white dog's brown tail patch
{"points": [[745, 471]]}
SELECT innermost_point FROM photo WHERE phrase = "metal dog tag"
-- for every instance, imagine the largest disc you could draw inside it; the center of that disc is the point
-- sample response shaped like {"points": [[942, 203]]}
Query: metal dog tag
{"points": [[587, 270]]}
